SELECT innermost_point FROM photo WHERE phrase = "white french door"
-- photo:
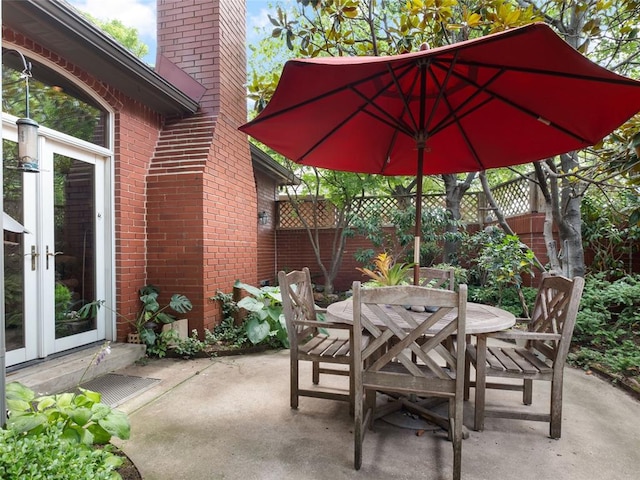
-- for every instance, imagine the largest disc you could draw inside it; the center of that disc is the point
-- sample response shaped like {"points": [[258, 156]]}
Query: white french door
{"points": [[58, 265]]}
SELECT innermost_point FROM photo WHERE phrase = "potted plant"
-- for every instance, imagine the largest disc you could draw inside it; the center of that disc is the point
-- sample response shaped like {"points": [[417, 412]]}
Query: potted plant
{"points": [[387, 272], [150, 316], [152, 313]]}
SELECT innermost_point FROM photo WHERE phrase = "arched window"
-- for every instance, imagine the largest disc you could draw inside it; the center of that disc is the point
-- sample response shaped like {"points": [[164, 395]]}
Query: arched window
{"points": [[54, 101]]}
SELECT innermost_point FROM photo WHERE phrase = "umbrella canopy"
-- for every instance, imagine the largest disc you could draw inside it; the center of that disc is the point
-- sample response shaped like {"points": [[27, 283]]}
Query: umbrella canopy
{"points": [[504, 99]]}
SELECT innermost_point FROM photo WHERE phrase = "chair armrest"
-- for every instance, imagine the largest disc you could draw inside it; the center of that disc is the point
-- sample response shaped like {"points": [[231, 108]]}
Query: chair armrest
{"points": [[523, 320], [319, 324], [522, 335]]}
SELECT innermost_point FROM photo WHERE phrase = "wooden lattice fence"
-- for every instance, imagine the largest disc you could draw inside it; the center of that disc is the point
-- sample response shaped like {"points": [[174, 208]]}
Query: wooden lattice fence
{"points": [[516, 197]]}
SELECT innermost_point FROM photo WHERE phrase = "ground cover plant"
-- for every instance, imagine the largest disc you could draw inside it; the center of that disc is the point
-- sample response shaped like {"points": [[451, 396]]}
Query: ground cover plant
{"points": [[63, 436], [607, 333]]}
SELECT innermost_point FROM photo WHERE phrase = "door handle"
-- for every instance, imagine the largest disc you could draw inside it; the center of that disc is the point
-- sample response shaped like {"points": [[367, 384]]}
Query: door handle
{"points": [[34, 256], [50, 254]]}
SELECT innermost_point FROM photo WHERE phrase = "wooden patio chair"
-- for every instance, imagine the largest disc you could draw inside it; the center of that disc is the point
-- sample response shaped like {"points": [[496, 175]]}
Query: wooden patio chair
{"points": [[437, 278], [307, 340], [542, 358], [384, 364]]}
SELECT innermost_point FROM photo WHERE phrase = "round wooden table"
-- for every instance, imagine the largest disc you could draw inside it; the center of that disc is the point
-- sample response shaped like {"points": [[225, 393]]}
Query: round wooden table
{"points": [[480, 318]]}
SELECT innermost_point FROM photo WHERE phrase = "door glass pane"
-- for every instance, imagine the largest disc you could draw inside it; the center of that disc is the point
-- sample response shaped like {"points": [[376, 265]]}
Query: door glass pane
{"points": [[74, 251], [13, 249]]}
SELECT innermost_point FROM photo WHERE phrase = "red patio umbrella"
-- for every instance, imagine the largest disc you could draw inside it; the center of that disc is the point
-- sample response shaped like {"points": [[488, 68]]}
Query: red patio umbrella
{"points": [[504, 99]]}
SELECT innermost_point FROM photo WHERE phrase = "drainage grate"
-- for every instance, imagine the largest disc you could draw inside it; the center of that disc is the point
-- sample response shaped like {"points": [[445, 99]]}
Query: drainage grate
{"points": [[116, 389]]}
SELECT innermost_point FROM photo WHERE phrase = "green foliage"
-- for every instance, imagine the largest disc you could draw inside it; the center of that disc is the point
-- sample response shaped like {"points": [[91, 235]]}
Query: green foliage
{"points": [[263, 325], [394, 232], [609, 233], [505, 261], [509, 301], [227, 333], [161, 345], [608, 325], [127, 36], [150, 314], [49, 455], [190, 346], [81, 416], [266, 320]]}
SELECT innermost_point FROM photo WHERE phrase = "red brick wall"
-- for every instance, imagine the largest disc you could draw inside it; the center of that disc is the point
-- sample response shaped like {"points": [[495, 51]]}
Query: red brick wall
{"points": [[207, 40], [136, 133], [295, 251]]}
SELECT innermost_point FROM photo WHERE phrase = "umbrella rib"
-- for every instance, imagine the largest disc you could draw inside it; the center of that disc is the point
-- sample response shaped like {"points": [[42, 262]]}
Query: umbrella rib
{"points": [[440, 87], [551, 73], [368, 102], [453, 116], [268, 116], [485, 88]]}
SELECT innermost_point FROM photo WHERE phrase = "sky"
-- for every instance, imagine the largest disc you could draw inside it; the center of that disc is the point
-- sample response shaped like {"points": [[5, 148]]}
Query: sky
{"points": [[141, 14]]}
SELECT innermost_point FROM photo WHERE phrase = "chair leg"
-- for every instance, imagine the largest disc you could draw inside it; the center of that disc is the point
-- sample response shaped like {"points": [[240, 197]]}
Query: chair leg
{"points": [[467, 377], [316, 373], [457, 440], [294, 382], [370, 406], [358, 430], [527, 392], [555, 424], [481, 380]]}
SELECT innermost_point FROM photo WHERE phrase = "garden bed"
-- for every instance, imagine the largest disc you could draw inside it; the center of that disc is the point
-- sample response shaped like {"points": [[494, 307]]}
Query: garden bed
{"points": [[221, 351]]}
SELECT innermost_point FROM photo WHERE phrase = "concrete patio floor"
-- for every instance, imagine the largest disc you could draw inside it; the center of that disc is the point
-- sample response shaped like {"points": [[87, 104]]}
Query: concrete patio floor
{"points": [[229, 418]]}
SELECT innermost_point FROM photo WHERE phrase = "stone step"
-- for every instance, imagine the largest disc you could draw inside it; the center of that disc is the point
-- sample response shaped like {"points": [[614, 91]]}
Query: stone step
{"points": [[64, 373]]}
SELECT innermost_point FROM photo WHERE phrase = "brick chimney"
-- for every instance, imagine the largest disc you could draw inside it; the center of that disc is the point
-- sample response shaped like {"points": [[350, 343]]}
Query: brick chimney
{"points": [[202, 226]]}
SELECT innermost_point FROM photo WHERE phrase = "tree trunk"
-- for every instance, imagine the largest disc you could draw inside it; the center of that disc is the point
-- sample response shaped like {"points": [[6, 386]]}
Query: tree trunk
{"points": [[454, 192], [562, 204], [570, 222]]}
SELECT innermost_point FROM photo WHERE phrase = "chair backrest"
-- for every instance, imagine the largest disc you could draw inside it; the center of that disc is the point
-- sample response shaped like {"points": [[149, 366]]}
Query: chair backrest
{"points": [[437, 278], [298, 304], [555, 311], [396, 332]]}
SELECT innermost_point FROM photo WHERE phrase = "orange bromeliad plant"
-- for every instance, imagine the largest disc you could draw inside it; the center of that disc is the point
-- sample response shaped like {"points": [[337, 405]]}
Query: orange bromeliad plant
{"points": [[387, 272]]}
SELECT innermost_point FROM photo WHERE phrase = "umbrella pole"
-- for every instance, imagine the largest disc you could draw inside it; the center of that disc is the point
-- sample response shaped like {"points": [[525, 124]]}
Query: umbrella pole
{"points": [[418, 225]]}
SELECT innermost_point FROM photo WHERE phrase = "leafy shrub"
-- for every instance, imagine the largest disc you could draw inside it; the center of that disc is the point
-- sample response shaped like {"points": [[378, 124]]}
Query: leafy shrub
{"points": [[190, 346], [265, 323], [227, 333], [608, 325], [54, 436], [82, 417], [49, 455], [510, 299]]}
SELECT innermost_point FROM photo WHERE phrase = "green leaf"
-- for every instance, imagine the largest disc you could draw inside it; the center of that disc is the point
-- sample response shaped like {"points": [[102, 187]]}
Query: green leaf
{"points": [[257, 331], [81, 416], [26, 423], [251, 304], [95, 397], [17, 391], [46, 402], [256, 292], [148, 336], [180, 303], [164, 317], [117, 424], [65, 399]]}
